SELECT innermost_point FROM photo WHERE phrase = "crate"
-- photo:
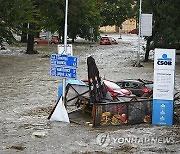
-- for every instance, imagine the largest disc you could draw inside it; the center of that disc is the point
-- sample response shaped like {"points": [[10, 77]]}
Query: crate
{"points": [[122, 113]]}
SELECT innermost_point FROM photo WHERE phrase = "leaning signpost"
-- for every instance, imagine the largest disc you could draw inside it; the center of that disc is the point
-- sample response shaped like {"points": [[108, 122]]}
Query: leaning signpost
{"points": [[63, 65]]}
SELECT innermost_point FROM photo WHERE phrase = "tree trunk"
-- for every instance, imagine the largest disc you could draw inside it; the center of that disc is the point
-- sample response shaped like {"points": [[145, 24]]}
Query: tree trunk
{"points": [[37, 35], [73, 40], [146, 55], [149, 39], [30, 41], [24, 38], [24, 34]]}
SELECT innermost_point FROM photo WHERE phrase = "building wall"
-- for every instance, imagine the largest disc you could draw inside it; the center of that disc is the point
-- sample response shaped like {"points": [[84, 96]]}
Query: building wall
{"points": [[108, 29], [127, 26]]}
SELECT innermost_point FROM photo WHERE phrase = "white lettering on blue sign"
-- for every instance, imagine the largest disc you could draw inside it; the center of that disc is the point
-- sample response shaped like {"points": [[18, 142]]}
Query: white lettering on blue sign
{"points": [[68, 75], [61, 63], [63, 66], [162, 118], [53, 56], [62, 58], [162, 112]]}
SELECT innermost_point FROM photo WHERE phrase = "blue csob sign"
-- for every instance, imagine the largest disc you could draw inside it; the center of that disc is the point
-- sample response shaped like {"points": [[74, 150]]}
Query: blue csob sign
{"points": [[163, 111], [163, 89]]}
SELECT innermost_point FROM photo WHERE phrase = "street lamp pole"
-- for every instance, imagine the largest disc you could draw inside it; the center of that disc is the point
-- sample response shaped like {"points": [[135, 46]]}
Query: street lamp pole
{"points": [[139, 35]]}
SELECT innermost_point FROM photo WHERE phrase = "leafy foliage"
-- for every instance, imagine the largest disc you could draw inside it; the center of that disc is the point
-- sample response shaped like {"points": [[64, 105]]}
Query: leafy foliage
{"points": [[115, 12], [83, 15], [86, 14], [51, 14], [13, 14], [166, 25]]}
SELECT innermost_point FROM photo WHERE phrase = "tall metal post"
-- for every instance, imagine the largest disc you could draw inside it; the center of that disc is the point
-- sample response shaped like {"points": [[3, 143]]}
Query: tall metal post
{"points": [[65, 28], [120, 33], [139, 36], [65, 49]]}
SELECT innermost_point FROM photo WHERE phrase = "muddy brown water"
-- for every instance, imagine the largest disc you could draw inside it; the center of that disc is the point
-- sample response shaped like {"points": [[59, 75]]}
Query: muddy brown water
{"points": [[28, 93]]}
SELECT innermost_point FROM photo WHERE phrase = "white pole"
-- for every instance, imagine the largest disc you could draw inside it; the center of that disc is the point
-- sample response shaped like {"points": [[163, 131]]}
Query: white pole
{"points": [[65, 49], [139, 35], [65, 28], [120, 32]]}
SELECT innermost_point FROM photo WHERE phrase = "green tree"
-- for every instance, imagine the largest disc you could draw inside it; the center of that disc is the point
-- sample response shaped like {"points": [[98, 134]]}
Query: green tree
{"points": [[52, 15], [82, 15], [34, 26], [84, 19], [115, 12], [13, 14], [166, 25]]}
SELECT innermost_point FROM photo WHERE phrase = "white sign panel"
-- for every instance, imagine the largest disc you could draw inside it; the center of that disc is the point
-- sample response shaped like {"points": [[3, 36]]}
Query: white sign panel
{"points": [[61, 49], [146, 24], [163, 90], [164, 66], [163, 84], [164, 59], [48, 35]]}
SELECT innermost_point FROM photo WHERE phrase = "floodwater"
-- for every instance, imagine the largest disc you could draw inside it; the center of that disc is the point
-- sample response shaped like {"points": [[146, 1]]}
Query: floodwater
{"points": [[28, 94]]}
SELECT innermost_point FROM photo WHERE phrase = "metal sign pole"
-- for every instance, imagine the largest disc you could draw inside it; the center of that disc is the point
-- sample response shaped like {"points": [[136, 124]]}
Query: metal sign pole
{"points": [[139, 35], [65, 49], [120, 33], [65, 28]]}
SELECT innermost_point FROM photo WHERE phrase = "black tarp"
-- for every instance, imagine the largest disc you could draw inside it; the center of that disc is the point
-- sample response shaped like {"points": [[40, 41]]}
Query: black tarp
{"points": [[97, 89]]}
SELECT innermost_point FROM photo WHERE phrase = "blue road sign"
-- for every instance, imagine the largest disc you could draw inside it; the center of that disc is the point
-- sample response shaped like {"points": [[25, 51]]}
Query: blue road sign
{"points": [[63, 66], [64, 60], [64, 72]]}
